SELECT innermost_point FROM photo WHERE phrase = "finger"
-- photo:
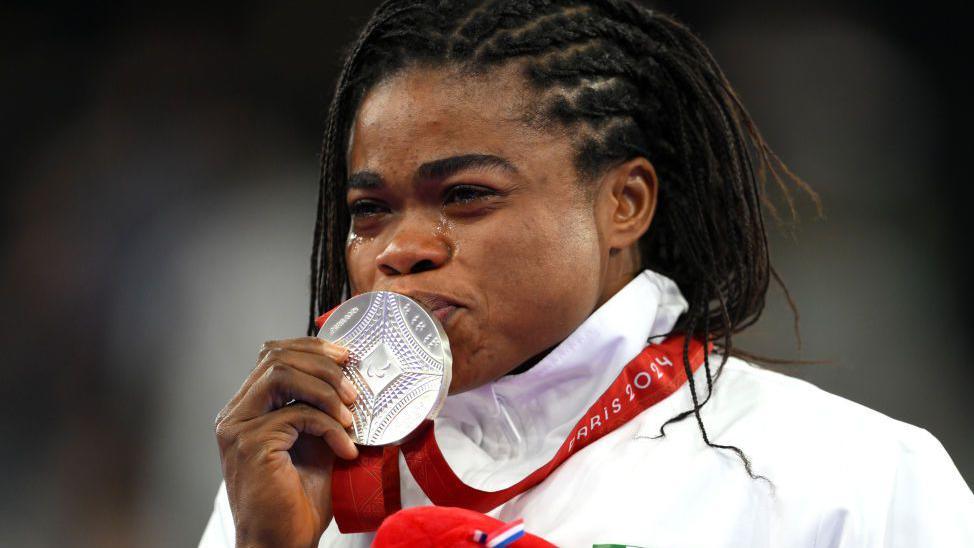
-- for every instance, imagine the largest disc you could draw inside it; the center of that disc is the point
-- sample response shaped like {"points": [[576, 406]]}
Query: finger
{"points": [[304, 345], [282, 383], [312, 345], [317, 365], [322, 363], [279, 430]]}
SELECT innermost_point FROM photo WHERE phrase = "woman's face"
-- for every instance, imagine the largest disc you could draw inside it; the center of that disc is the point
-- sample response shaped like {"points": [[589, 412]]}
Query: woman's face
{"points": [[457, 203]]}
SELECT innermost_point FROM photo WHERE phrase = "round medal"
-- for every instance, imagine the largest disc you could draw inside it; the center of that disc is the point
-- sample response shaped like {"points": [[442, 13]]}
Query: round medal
{"points": [[399, 361]]}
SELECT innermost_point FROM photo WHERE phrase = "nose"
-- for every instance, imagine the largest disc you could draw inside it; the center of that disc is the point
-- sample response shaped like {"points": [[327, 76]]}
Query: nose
{"points": [[414, 248]]}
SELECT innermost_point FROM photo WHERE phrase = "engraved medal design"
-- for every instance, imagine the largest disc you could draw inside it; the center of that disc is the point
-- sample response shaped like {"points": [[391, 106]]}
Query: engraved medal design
{"points": [[399, 361]]}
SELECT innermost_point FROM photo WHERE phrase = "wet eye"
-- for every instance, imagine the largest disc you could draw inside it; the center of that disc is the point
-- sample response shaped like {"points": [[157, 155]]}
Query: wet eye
{"points": [[463, 194], [366, 208]]}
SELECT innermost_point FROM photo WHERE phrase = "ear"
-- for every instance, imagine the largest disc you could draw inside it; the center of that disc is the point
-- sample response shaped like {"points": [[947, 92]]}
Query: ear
{"points": [[627, 202]]}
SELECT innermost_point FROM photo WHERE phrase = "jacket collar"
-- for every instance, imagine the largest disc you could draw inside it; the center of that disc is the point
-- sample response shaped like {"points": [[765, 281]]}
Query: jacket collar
{"points": [[495, 435]]}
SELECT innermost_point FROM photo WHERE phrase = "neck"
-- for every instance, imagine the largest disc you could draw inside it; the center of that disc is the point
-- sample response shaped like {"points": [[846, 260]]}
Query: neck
{"points": [[621, 267]]}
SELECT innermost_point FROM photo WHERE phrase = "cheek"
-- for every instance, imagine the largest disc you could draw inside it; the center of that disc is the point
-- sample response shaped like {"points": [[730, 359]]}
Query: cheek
{"points": [[564, 268], [552, 240], [543, 278]]}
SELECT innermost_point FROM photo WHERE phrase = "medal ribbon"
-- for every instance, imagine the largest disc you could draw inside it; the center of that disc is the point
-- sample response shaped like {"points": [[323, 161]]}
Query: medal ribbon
{"points": [[366, 490]]}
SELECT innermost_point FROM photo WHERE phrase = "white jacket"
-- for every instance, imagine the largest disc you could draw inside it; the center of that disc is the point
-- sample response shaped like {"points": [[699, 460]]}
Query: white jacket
{"points": [[842, 474]]}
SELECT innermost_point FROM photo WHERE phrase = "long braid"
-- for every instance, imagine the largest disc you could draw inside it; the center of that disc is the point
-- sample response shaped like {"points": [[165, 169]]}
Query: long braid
{"points": [[328, 266], [623, 81]]}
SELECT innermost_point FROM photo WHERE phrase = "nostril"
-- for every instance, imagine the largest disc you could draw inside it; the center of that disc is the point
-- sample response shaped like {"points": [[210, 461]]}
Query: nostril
{"points": [[422, 266]]}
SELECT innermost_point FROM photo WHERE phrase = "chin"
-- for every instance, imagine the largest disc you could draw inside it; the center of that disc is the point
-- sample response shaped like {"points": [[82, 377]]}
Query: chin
{"points": [[464, 378], [461, 380], [476, 360]]}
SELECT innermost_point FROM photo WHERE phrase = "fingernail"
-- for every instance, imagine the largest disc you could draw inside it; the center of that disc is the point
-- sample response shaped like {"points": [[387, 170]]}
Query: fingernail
{"points": [[347, 418], [339, 353], [348, 389]]}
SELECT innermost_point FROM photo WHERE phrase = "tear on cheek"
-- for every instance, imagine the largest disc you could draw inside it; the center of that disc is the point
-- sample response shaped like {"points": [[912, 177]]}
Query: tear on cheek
{"points": [[353, 243]]}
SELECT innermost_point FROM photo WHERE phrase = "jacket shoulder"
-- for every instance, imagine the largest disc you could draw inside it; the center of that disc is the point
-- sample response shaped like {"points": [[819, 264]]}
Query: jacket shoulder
{"points": [[794, 410]]}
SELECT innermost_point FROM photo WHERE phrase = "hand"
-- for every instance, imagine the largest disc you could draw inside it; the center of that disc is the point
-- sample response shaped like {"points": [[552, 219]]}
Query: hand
{"points": [[277, 457]]}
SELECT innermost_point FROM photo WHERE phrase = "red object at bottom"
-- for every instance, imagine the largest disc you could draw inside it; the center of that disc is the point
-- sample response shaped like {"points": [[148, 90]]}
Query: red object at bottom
{"points": [[442, 526]]}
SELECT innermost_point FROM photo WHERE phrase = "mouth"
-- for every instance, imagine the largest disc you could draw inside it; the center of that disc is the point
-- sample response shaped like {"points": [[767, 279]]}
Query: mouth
{"points": [[440, 306], [443, 314]]}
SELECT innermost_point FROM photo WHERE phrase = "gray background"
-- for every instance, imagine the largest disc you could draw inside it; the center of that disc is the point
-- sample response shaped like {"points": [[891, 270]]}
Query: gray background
{"points": [[159, 166]]}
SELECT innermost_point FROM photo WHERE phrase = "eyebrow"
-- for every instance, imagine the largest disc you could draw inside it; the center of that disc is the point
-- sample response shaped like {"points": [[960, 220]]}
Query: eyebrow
{"points": [[435, 170]]}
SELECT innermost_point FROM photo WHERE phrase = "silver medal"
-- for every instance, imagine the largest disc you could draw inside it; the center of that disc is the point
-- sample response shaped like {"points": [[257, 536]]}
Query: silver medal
{"points": [[399, 361]]}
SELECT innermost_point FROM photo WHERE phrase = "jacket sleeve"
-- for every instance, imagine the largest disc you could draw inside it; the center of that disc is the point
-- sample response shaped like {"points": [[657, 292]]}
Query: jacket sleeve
{"points": [[930, 503], [220, 532]]}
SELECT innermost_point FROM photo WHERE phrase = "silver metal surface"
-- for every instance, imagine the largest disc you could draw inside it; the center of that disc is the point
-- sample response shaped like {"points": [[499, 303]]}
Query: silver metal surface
{"points": [[399, 361]]}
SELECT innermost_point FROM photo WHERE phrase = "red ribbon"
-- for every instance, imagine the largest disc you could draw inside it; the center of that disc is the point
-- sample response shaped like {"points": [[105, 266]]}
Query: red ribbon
{"points": [[366, 490]]}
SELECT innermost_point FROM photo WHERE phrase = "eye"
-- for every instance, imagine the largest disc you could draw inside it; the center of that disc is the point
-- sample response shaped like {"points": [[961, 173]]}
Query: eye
{"points": [[366, 208], [464, 194]]}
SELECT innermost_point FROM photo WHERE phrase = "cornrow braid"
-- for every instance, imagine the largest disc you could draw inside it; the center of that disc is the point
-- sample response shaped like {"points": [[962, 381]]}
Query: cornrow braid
{"points": [[627, 82]]}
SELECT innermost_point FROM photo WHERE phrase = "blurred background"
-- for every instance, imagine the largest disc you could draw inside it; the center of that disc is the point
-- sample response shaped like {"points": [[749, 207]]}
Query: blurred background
{"points": [[159, 171]]}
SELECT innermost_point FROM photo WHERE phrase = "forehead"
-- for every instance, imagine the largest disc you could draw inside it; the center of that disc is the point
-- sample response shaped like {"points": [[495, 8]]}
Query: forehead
{"points": [[424, 113]]}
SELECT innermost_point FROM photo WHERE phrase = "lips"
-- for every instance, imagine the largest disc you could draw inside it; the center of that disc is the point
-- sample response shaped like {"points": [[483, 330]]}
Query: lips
{"points": [[440, 306], [444, 313]]}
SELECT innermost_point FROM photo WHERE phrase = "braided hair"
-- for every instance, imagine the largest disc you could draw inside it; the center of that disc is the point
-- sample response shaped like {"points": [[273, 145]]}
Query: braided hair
{"points": [[627, 82]]}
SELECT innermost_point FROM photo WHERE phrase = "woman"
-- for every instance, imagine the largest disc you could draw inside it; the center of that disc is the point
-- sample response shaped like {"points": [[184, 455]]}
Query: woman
{"points": [[561, 183]]}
